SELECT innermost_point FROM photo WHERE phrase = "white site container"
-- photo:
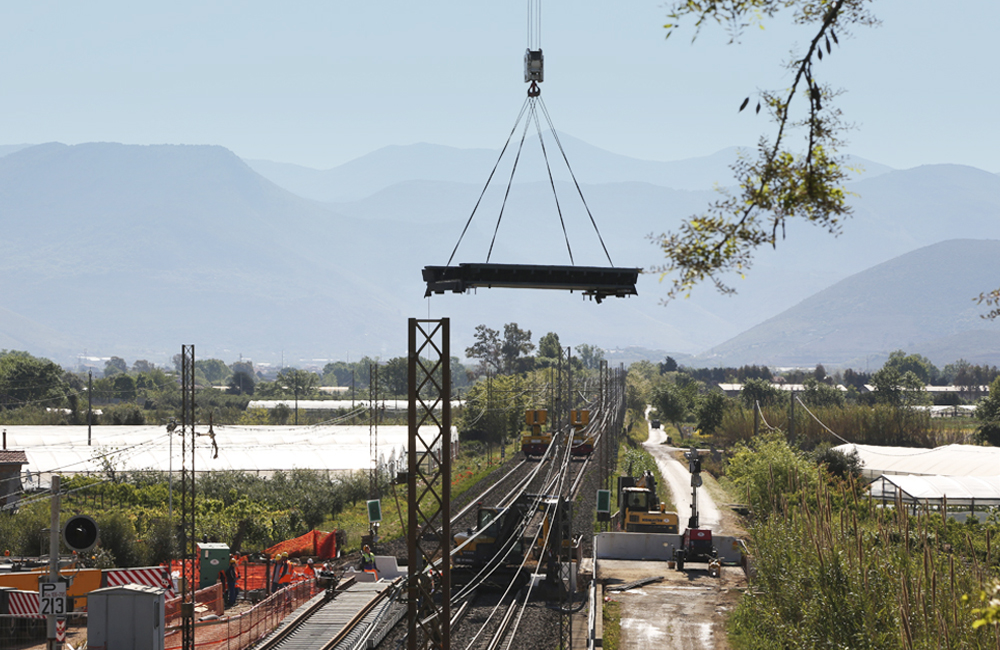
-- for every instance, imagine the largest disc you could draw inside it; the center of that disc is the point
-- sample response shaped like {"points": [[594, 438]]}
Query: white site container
{"points": [[127, 617]]}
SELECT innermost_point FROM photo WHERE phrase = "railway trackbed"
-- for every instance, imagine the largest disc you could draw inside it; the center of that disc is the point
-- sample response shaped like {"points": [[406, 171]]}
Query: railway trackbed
{"points": [[339, 620]]}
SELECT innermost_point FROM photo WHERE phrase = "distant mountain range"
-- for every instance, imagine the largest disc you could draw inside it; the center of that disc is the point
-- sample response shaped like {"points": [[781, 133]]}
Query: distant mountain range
{"points": [[134, 250], [430, 162], [918, 302]]}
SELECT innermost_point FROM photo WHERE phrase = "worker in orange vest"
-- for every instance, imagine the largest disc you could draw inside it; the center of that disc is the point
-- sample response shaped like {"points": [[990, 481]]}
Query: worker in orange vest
{"points": [[367, 558], [285, 573]]}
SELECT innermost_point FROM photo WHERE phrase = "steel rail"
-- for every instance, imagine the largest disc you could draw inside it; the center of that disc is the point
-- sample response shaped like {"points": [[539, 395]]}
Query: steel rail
{"points": [[357, 618], [291, 626], [469, 506], [502, 629]]}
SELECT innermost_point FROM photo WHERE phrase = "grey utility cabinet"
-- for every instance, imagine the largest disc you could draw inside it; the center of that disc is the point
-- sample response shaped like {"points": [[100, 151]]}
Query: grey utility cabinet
{"points": [[128, 617]]}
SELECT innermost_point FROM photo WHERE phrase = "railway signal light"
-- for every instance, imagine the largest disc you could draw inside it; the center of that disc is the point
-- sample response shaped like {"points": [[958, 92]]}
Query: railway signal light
{"points": [[80, 533]]}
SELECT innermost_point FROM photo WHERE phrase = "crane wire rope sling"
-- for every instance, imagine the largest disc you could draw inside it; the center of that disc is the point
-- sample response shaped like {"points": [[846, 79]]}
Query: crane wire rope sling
{"points": [[531, 105]]}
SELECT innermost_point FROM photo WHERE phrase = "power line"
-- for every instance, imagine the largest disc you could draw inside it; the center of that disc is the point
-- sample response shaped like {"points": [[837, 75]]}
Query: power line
{"points": [[832, 432]]}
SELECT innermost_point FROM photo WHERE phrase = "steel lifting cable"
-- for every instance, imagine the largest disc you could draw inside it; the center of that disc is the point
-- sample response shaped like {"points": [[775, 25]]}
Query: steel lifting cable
{"points": [[510, 181], [534, 24], [552, 182], [555, 136], [488, 180]]}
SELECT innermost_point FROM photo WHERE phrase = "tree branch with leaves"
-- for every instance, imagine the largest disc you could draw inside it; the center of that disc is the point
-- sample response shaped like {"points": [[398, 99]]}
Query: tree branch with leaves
{"points": [[785, 181]]}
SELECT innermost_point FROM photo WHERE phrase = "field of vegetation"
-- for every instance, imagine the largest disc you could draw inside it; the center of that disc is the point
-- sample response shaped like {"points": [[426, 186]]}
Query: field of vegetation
{"points": [[831, 568], [248, 512]]}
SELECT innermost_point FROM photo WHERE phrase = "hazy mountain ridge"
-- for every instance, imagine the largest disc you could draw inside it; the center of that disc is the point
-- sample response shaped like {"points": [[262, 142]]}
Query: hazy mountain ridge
{"points": [[137, 249], [174, 242], [920, 301], [388, 166]]}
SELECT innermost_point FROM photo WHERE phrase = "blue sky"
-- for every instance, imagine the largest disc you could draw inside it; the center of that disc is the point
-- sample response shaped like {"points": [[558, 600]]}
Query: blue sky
{"points": [[320, 83]]}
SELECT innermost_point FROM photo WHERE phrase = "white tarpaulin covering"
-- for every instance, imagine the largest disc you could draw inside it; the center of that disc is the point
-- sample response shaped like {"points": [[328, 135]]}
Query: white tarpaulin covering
{"points": [[338, 404], [958, 490], [252, 449], [951, 460]]}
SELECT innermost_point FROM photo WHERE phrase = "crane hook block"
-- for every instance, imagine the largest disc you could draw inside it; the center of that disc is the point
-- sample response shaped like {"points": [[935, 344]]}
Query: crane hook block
{"points": [[534, 66]]}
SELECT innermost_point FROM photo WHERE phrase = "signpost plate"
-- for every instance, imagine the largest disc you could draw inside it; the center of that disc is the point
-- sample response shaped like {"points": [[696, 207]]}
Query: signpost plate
{"points": [[52, 598]]}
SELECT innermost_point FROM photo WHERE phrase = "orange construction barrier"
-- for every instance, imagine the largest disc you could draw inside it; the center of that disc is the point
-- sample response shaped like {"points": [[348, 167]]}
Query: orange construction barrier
{"points": [[243, 630], [84, 582], [315, 544]]}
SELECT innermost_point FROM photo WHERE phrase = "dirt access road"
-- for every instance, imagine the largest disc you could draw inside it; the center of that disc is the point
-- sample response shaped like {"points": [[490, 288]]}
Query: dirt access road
{"points": [[687, 610], [678, 479]]}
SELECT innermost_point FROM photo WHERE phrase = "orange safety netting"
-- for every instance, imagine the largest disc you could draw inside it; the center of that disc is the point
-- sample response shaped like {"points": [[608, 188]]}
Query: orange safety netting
{"points": [[315, 544], [206, 601], [250, 575], [243, 630]]}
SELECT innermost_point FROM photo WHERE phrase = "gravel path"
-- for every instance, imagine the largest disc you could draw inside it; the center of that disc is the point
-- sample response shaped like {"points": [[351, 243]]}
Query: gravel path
{"points": [[678, 479]]}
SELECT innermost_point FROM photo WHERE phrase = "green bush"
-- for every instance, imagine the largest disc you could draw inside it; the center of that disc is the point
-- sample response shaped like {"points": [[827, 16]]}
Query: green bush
{"points": [[836, 571], [117, 537], [768, 469], [123, 414]]}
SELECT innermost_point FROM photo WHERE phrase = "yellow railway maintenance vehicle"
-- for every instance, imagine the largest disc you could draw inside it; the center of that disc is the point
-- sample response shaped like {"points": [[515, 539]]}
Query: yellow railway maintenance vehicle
{"points": [[535, 442], [582, 444], [640, 510], [494, 528], [558, 511]]}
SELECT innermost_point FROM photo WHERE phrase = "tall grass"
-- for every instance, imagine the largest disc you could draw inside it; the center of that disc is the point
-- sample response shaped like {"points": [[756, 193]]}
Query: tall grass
{"points": [[869, 425], [831, 569]]}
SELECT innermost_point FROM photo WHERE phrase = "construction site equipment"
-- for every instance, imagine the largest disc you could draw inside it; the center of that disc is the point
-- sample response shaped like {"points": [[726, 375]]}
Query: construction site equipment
{"points": [[212, 559], [131, 616], [696, 546], [494, 528], [696, 543], [595, 282], [640, 510], [556, 530], [535, 442]]}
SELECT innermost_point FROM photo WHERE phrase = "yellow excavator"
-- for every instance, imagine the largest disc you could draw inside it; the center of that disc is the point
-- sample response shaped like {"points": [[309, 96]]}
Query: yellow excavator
{"points": [[640, 510]]}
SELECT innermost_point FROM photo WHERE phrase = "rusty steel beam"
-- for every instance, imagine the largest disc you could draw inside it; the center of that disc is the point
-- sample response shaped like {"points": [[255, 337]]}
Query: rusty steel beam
{"points": [[428, 533]]}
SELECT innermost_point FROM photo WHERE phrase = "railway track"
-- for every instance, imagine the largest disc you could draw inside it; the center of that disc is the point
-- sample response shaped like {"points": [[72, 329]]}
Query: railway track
{"points": [[361, 615], [565, 478], [341, 620]]}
